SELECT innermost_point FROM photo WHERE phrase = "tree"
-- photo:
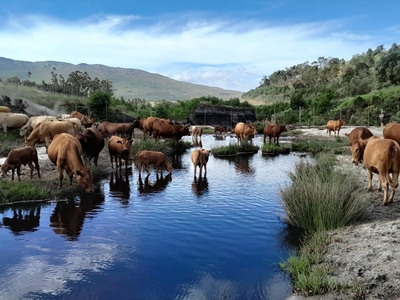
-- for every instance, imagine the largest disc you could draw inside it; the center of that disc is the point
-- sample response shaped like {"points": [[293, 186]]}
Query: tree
{"points": [[99, 104]]}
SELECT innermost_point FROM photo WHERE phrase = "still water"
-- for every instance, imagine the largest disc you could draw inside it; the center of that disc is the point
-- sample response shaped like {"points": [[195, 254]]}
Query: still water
{"points": [[221, 237]]}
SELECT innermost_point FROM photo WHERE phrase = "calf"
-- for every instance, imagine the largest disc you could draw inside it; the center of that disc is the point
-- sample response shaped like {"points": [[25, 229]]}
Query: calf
{"points": [[199, 158], [119, 149], [20, 156], [146, 158]]}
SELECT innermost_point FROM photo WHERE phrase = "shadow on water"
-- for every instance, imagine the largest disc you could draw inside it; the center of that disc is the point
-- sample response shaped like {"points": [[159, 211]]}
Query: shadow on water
{"points": [[148, 186], [26, 218], [242, 163], [200, 185], [120, 185], [68, 216]]}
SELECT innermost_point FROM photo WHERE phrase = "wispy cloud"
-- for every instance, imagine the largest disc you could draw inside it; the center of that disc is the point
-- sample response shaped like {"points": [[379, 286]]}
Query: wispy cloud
{"points": [[231, 54]]}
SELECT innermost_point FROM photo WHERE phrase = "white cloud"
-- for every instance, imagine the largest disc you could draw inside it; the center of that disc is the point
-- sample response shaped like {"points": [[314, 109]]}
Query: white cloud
{"points": [[197, 50]]}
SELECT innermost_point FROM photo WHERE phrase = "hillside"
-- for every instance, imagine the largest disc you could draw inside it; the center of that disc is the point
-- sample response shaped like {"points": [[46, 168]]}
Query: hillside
{"points": [[127, 83]]}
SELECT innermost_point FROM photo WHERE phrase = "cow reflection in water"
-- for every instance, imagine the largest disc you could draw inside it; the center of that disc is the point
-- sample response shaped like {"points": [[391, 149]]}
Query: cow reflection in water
{"points": [[147, 187], [242, 164], [68, 216], [119, 185], [23, 219], [200, 186]]}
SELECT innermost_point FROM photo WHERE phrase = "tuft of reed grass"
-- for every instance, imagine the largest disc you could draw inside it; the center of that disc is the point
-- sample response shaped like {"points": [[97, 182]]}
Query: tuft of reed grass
{"points": [[339, 145], [233, 149], [168, 147], [274, 149], [321, 198]]}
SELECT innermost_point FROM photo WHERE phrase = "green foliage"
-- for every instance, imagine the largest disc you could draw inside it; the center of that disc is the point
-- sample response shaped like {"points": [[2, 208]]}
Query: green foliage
{"points": [[320, 197], [99, 104], [168, 147], [274, 149], [337, 145], [309, 276]]}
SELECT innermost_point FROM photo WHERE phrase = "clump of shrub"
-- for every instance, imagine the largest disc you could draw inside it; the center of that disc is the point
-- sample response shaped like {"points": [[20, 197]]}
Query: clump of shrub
{"points": [[168, 147], [274, 149], [321, 198]]}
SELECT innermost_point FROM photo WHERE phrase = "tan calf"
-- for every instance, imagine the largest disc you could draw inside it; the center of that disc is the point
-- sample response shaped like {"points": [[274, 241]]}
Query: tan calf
{"points": [[199, 158], [119, 149], [146, 158]]}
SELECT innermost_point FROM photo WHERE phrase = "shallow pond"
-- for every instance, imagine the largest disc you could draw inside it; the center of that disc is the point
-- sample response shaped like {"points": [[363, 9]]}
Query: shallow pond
{"points": [[177, 237]]}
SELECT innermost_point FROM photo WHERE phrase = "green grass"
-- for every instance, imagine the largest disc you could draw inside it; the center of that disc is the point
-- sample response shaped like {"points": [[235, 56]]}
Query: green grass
{"points": [[23, 191], [318, 199], [274, 149], [338, 146], [233, 149], [168, 147]]}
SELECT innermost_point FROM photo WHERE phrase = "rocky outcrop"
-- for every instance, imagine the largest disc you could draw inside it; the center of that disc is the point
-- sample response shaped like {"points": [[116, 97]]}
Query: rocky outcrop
{"points": [[218, 115]]}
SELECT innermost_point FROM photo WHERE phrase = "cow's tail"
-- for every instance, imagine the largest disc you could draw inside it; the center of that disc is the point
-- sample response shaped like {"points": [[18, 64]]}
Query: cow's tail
{"points": [[392, 153]]}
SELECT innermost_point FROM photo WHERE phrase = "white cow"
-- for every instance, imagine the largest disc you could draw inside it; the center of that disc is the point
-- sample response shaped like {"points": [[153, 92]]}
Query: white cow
{"points": [[12, 120]]}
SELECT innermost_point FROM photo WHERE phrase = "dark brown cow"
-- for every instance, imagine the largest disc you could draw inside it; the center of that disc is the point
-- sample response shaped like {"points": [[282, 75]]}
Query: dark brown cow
{"points": [[119, 149], [334, 125], [380, 156], [358, 133], [20, 156], [392, 131], [199, 158], [86, 120], [65, 152], [145, 158], [92, 142], [274, 131], [165, 130], [109, 129], [219, 130], [244, 132]]}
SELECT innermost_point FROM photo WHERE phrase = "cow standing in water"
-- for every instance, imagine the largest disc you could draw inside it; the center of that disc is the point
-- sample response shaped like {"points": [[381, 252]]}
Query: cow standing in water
{"points": [[199, 159], [119, 149]]}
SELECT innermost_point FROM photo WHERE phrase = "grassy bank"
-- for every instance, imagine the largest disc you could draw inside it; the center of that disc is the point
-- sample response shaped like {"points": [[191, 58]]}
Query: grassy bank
{"points": [[319, 198]]}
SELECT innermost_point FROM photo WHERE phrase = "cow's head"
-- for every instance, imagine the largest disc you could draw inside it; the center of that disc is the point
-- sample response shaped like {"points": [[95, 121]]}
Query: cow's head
{"points": [[4, 168], [357, 152], [85, 180]]}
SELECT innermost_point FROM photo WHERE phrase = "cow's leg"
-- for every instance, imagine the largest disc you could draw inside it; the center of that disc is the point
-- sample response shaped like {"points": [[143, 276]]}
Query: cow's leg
{"points": [[385, 184], [394, 183], [19, 172], [369, 180], [32, 168], [205, 170], [37, 168], [60, 175], [12, 174]]}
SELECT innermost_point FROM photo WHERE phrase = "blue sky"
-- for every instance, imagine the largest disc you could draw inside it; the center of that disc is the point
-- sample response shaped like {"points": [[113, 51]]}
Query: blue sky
{"points": [[228, 44]]}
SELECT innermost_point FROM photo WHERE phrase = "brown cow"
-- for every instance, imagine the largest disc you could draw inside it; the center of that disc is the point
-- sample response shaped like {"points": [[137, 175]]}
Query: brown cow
{"points": [[65, 152], [274, 131], [119, 149], [12, 120], [33, 121], [86, 121], [358, 133], [146, 124], [5, 109], [165, 130], [109, 129], [244, 132], [334, 125], [45, 131], [392, 131], [199, 158], [92, 142], [219, 130], [381, 156], [146, 158], [20, 156]]}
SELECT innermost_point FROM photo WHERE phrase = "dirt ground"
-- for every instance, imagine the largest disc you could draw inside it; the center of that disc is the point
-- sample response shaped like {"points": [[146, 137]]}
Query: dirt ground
{"points": [[365, 255]]}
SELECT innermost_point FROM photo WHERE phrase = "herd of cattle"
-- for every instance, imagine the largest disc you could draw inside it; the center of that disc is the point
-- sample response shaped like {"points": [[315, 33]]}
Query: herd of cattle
{"points": [[71, 138]]}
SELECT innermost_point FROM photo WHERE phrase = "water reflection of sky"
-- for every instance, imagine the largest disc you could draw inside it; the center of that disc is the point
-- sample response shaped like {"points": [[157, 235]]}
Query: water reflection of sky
{"points": [[172, 237]]}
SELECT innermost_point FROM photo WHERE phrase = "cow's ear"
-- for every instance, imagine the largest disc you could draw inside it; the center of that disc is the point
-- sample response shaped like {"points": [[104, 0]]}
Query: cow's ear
{"points": [[79, 173], [119, 142], [130, 141]]}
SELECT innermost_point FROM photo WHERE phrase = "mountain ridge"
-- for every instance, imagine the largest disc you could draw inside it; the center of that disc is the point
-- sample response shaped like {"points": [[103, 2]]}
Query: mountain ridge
{"points": [[127, 82]]}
